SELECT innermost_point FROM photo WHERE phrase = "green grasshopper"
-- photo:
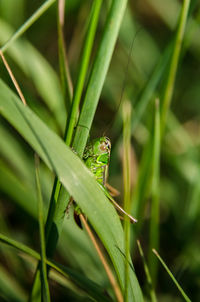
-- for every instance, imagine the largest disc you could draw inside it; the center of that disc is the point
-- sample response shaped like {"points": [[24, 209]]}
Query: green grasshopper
{"points": [[97, 157]]}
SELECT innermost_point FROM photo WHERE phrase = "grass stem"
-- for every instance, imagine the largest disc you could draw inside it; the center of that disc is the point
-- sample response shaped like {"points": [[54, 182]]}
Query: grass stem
{"points": [[127, 187]]}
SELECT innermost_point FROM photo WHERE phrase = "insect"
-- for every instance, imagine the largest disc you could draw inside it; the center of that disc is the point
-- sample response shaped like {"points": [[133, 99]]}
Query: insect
{"points": [[97, 157]]}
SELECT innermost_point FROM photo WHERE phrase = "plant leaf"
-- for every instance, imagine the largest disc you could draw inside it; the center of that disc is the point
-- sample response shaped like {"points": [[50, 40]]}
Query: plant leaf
{"points": [[75, 177]]}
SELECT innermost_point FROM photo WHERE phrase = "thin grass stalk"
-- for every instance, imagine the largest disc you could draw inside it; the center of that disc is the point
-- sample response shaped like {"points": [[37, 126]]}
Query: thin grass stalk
{"points": [[83, 69], [147, 273], [66, 82], [127, 187], [13, 78], [154, 220], [39, 12], [143, 183], [187, 299], [174, 64], [44, 280], [109, 273]]}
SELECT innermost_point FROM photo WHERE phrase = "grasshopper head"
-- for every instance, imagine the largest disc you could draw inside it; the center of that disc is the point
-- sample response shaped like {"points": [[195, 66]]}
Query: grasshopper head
{"points": [[98, 146], [101, 145]]}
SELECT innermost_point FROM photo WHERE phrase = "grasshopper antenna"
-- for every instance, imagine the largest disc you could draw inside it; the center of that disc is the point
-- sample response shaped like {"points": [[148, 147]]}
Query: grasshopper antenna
{"points": [[124, 80]]}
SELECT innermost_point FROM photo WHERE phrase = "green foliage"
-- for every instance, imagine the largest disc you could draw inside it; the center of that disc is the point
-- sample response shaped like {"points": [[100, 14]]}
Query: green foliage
{"points": [[71, 74]]}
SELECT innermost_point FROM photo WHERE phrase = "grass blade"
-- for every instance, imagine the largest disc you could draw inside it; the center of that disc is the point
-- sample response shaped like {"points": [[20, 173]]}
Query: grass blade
{"points": [[44, 281], [187, 299], [148, 276], [83, 69], [19, 193], [28, 23], [155, 207], [174, 63], [127, 187], [66, 82]]}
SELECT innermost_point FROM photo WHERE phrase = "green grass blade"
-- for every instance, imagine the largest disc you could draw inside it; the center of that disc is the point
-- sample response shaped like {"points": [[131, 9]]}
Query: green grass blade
{"points": [[174, 63], [147, 273], [44, 281], [187, 299], [143, 182], [66, 82], [28, 23], [19, 246], [76, 179], [13, 153], [83, 68], [19, 193], [155, 206], [127, 187], [89, 286]]}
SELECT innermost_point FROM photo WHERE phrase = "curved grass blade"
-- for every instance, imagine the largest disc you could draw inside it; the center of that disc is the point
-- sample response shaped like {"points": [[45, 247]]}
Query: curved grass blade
{"points": [[75, 177]]}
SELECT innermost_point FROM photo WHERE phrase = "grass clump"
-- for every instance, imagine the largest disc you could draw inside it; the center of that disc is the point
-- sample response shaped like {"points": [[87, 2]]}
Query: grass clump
{"points": [[68, 60]]}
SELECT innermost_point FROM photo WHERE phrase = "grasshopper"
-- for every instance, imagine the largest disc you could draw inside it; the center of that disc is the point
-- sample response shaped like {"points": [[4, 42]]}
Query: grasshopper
{"points": [[97, 157]]}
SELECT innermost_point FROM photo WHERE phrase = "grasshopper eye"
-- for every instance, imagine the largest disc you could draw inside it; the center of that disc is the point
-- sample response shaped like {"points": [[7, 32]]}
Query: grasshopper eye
{"points": [[108, 144], [105, 145]]}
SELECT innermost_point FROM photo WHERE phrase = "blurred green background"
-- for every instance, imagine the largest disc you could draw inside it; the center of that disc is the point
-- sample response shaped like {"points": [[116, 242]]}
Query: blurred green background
{"points": [[35, 64]]}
